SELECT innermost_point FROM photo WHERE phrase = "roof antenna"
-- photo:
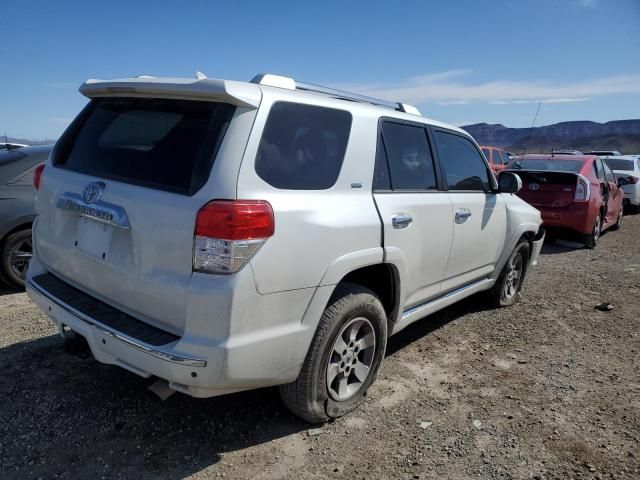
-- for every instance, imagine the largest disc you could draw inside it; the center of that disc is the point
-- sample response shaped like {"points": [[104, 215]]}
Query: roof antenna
{"points": [[531, 129], [200, 75]]}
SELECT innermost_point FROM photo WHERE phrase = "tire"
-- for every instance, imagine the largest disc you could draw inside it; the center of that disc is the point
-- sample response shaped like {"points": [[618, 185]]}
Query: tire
{"points": [[506, 291], [15, 253], [618, 224], [591, 239], [314, 397]]}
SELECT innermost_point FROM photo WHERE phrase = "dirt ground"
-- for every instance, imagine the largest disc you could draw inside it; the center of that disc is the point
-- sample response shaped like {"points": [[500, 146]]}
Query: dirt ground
{"points": [[549, 388]]}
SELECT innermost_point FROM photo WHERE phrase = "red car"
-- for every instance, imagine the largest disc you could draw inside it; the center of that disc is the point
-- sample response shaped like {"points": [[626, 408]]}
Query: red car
{"points": [[575, 193], [497, 157]]}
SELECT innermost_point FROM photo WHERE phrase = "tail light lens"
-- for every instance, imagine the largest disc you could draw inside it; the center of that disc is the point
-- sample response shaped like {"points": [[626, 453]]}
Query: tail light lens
{"points": [[583, 189], [229, 232], [37, 175]]}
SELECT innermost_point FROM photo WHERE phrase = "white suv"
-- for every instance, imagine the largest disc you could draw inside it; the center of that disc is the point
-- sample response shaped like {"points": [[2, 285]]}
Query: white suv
{"points": [[224, 236]]}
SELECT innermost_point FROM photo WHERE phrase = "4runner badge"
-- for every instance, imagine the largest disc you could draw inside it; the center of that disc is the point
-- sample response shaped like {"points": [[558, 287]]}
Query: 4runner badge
{"points": [[93, 192]]}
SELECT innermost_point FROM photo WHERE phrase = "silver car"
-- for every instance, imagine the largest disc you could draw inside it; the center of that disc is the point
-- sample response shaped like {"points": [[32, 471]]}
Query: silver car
{"points": [[17, 210], [224, 236]]}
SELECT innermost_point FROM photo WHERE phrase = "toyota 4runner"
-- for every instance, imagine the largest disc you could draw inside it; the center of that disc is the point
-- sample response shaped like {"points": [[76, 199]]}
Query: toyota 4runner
{"points": [[224, 236]]}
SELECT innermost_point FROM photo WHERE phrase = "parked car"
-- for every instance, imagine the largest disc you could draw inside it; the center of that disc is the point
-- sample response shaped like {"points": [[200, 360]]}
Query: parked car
{"points": [[17, 210], [11, 146], [575, 193], [627, 167], [498, 158], [225, 236], [604, 153], [567, 152]]}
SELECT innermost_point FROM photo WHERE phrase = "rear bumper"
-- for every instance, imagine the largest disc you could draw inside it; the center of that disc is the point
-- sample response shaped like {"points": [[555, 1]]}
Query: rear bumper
{"points": [[576, 217], [267, 347]]}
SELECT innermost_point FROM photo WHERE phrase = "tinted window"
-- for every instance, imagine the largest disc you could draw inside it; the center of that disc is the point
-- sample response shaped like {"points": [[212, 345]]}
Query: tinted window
{"points": [[166, 144], [409, 157], [503, 159], [463, 166], [609, 174], [381, 180], [599, 169], [619, 164], [302, 146], [549, 164], [487, 154]]}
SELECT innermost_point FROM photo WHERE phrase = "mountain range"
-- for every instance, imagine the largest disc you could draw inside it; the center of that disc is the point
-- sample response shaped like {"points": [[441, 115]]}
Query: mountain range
{"points": [[621, 135]]}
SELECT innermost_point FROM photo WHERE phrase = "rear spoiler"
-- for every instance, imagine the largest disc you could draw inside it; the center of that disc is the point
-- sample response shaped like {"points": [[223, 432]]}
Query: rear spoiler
{"points": [[204, 89]]}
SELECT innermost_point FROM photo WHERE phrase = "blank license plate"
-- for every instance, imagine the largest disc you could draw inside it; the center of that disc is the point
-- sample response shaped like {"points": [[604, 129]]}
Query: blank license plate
{"points": [[93, 237]]}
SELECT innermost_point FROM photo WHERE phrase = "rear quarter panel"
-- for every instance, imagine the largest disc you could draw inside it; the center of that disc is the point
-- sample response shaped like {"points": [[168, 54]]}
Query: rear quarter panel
{"points": [[316, 228]]}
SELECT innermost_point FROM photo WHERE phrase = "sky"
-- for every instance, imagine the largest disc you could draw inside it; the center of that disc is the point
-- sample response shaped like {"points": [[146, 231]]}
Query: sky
{"points": [[458, 61]]}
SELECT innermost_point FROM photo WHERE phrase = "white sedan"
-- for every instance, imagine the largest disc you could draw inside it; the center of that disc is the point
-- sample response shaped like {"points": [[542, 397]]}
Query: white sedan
{"points": [[628, 166]]}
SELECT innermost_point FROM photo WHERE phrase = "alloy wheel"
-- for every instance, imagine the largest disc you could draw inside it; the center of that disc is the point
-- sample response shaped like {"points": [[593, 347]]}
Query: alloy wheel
{"points": [[351, 359], [19, 258], [513, 277]]}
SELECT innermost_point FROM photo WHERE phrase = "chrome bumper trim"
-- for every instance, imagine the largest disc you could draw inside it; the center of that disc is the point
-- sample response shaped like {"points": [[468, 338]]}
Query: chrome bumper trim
{"points": [[131, 342]]}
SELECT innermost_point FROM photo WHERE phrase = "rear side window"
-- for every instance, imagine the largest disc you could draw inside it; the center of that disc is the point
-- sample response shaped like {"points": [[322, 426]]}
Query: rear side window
{"points": [[408, 157], [157, 143], [463, 166], [487, 154], [303, 146]]}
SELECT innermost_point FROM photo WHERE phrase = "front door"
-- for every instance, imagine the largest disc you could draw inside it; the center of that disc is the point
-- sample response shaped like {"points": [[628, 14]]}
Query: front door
{"points": [[479, 216]]}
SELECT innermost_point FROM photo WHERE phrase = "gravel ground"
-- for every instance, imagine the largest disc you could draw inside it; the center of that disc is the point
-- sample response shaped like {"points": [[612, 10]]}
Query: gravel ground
{"points": [[549, 388]]}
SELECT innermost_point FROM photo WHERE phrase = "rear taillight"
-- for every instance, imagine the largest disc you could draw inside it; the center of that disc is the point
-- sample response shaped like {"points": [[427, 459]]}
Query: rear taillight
{"points": [[583, 190], [37, 175], [229, 232]]}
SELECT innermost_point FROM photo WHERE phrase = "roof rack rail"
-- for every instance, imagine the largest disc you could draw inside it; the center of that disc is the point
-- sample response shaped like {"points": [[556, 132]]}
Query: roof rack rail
{"points": [[291, 84]]}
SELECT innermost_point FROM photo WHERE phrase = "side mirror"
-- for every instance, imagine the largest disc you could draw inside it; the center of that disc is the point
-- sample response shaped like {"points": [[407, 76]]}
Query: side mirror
{"points": [[623, 181], [509, 182]]}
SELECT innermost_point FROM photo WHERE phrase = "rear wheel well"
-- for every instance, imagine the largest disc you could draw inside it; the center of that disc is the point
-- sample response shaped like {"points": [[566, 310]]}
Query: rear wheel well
{"points": [[24, 226], [381, 279]]}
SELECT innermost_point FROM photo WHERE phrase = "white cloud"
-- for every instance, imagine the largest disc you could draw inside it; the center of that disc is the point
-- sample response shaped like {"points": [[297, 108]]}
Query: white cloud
{"points": [[454, 87], [453, 102], [587, 3]]}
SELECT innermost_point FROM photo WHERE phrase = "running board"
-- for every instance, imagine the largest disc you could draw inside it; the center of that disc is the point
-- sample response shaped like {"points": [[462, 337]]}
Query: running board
{"points": [[416, 313]]}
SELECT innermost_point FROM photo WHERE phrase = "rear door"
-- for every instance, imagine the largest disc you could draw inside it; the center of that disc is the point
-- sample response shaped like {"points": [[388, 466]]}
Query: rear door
{"points": [[479, 214], [117, 207], [416, 213]]}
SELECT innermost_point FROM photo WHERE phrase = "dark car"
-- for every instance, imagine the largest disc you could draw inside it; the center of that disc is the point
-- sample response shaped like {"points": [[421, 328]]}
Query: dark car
{"points": [[17, 210]]}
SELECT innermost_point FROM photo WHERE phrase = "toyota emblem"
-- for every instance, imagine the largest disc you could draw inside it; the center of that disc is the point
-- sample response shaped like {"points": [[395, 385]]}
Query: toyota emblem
{"points": [[93, 192], [534, 186]]}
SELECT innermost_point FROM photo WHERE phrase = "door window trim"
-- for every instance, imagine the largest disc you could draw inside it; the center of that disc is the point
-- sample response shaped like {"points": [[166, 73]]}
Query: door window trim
{"points": [[493, 184]]}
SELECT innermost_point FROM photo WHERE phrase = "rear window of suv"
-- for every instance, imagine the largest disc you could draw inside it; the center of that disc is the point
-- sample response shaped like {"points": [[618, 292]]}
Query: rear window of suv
{"points": [[302, 146], [157, 143]]}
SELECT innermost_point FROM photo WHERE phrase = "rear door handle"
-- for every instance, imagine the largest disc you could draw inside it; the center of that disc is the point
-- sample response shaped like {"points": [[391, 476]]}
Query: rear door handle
{"points": [[462, 215], [401, 220]]}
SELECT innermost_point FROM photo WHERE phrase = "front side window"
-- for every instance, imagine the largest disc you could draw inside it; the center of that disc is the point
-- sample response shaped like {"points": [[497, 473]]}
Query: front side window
{"points": [[463, 165], [302, 146], [409, 157]]}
